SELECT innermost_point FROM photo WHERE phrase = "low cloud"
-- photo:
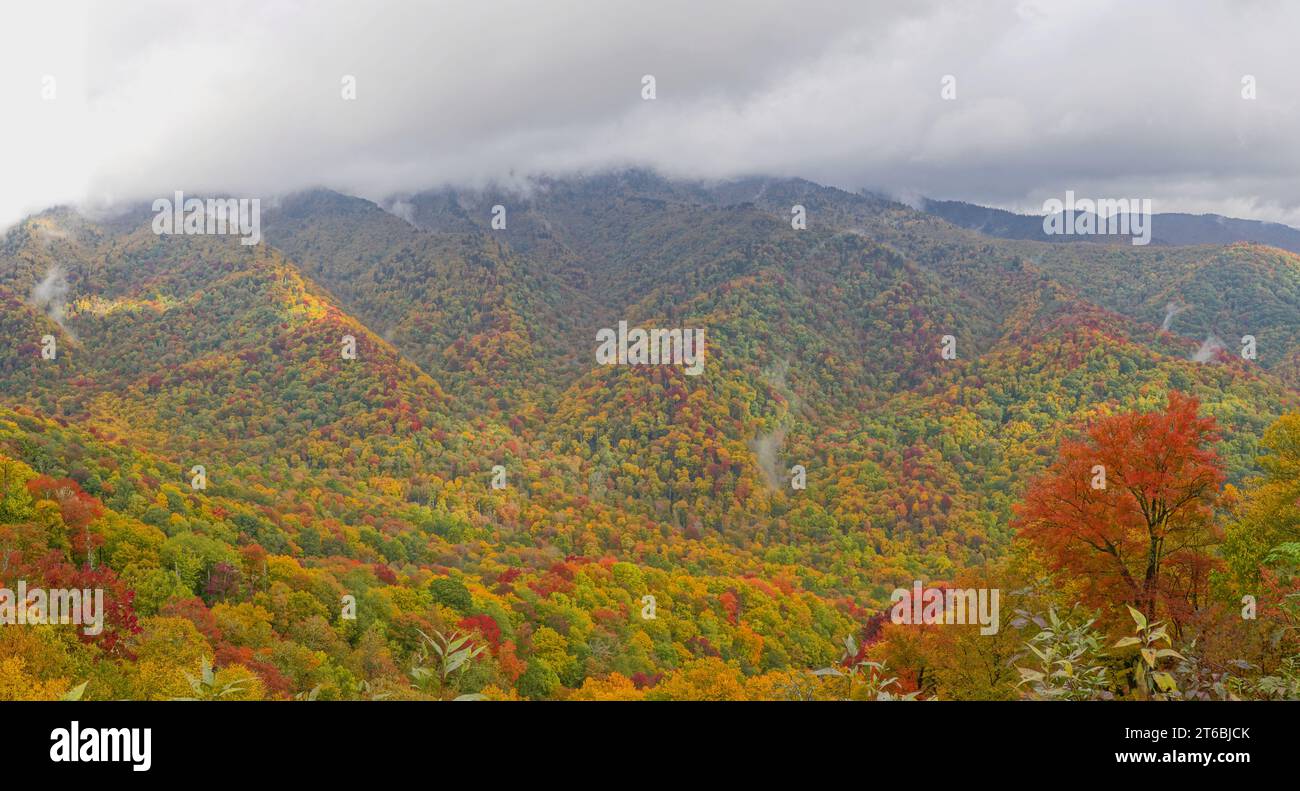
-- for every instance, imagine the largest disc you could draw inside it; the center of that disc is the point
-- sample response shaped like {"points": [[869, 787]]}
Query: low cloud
{"points": [[766, 449], [1209, 350], [1172, 309], [51, 296], [1048, 97]]}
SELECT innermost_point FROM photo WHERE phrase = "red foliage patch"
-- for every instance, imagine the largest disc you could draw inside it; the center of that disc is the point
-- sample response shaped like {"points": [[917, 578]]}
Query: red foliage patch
{"points": [[485, 626]]}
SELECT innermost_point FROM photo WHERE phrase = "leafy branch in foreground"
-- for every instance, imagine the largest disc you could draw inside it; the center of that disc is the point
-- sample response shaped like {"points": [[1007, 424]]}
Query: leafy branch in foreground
{"points": [[1201, 680], [206, 686], [1150, 680], [1283, 683], [864, 680], [451, 657], [1067, 655]]}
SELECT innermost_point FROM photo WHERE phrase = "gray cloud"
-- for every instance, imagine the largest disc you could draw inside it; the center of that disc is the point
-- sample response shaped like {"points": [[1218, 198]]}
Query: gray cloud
{"points": [[1105, 98]]}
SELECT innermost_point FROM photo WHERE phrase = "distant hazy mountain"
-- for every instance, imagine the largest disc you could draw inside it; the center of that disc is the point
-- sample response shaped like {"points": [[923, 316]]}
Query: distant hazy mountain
{"points": [[1167, 229]]}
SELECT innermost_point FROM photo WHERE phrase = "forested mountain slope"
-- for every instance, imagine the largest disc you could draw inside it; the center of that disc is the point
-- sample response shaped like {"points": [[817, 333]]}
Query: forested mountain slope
{"points": [[474, 468]]}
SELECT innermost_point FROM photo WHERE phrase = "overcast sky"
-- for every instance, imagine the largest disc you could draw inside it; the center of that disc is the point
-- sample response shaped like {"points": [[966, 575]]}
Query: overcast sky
{"points": [[1109, 99]]}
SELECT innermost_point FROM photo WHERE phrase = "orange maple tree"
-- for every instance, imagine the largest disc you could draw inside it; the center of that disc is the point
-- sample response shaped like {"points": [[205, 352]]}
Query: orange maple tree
{"points": [[1128, 508]]}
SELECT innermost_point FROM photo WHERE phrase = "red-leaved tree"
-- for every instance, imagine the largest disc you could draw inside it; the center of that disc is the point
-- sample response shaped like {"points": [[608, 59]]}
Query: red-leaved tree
{"points": [[1128, 509]]}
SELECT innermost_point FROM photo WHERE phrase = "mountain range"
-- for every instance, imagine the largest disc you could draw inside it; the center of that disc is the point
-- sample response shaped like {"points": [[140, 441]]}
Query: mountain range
{"points": [[474, 468]]}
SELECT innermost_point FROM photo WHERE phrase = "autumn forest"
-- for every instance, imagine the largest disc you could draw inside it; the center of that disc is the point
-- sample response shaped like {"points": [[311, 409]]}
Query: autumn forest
{"points": [[374, 456]]}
